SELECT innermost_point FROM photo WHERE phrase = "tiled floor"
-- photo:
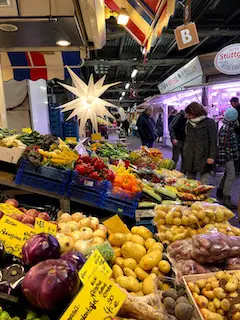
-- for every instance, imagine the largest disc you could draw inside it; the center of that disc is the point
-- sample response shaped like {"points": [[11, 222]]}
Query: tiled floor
{"points": [[135, 143]]}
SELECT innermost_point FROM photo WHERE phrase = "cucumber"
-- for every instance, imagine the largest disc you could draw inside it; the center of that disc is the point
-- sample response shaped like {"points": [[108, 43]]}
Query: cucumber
{"points": [[146, 204], [171, 202], [165, 192], [152, 194]]}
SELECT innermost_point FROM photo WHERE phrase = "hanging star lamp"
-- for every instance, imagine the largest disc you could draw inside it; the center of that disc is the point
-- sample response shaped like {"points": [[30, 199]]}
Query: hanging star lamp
{"points": [[88, 105]]}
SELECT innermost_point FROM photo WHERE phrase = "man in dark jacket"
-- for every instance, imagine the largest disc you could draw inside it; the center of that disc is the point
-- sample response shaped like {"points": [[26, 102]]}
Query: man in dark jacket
{"points": [[178, 135], [146, 127], [236, 105]]}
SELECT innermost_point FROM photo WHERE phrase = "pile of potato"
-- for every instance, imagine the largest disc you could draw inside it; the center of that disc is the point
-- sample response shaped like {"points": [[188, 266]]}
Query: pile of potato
{"points": [[218, 296], [198, 215], [138, 261]]}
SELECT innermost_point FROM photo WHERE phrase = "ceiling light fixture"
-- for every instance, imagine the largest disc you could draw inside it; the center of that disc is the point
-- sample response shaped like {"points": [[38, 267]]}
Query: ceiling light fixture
{"points": [[123, 17], [134, 73], [144, 50], [63, 43], [123, 93], [120, 98], [127, 85]]}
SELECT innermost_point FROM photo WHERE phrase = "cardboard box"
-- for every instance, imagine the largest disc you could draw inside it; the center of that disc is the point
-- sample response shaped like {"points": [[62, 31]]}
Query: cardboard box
{"points": [[11, 155]]}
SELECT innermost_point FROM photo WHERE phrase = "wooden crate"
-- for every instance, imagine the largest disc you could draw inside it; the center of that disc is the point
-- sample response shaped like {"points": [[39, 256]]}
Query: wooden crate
{"points": [[193, 278], [11, 155]]}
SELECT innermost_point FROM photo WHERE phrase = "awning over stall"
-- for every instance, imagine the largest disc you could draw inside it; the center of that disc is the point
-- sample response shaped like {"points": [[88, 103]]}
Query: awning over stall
{"points": [[39, 65], [147, 17]]}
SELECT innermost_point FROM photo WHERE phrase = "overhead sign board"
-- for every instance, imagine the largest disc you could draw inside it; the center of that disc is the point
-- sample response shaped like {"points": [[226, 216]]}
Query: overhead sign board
{"points": [[227, 60], [186, 36], [187, 75]]}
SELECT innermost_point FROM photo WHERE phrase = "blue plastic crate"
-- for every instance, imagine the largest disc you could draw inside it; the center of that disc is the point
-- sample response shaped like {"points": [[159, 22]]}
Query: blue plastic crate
{"points": [[116, 205], [46, 178], [80, 183], [85, 196]]}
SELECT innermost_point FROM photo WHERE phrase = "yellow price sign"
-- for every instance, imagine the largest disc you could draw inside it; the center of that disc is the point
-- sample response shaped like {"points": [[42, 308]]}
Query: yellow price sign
{"points": [[73, 139], [96, 136], [14, 234], [99, 299], [8, 209], [45, 226], [96, 260], [27, 130]]}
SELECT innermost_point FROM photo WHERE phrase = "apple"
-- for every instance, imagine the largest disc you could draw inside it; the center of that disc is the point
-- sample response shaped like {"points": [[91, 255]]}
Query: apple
{"points": [[13, 202], [44, 216], [66, 244]]}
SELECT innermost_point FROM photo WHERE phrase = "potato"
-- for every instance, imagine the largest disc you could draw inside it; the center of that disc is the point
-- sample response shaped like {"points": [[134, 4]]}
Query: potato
{"points": [[150, 260], [156, 271], [140, 293], [209, 294], [142, 231], [201, 283], [117, 271], [128, 236], [156, 246], [193, 287], [236, 316], [217, 303], [220, 274], [141, 274], [202, 301], [123, 282], [133, 284], [129, 273], [117, 239], [117, 251], [211, 306], [225, 304], [129, 263], [215, 284], [113, 280], [177, 221], [219, 293], [169, 218], [133, 250], [231, 285], [233, 295], [119, 261], [208, 315], [164, 266], [137, 239], [149, 242], [149, 284]]}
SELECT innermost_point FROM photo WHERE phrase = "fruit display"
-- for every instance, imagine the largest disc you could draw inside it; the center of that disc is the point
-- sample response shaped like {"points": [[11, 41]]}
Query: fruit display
{"points": [[30, 315], [125, 180], [81, 233], [216, 295], [138, 261], [93, 168]]}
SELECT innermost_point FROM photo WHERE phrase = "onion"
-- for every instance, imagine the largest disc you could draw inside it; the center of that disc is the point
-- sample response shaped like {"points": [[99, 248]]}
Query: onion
{"points": [[100, 233], [73, 225], [86, 233], [94, 223], [83, 246], [77, 216], [85, 222], [76, 235], [65, 230], [65, 217], [103, 228], [97, 240]]}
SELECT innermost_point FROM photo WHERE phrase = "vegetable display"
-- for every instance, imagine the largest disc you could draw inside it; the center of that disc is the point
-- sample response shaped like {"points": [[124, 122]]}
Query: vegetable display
{"points": [[75, 258], [50, 283]]}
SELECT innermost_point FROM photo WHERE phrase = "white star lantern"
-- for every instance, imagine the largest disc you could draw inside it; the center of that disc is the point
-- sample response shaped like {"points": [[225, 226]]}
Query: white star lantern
{"points": [[88, 104]]}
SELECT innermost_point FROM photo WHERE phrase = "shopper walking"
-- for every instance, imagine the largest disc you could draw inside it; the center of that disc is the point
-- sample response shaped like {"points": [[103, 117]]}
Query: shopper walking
{"points": [[159, 127], [235, 104], [177, 134], [172, 116], [200, 145], [146, 127], [228, 153]]}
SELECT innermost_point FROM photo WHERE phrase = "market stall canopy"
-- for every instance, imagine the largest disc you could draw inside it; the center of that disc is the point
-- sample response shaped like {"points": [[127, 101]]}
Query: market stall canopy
{"points": [[147, 18], [40, 65]]}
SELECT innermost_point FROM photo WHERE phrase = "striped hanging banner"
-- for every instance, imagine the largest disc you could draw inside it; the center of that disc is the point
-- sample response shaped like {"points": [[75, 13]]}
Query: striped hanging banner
{"points": [[147, 17], [39, 65]]}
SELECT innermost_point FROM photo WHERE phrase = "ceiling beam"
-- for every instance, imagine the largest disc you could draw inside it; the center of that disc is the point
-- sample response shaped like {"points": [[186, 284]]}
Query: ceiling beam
{"points": [[137, 89], [232, 16], [206, 33], [147, 64]]}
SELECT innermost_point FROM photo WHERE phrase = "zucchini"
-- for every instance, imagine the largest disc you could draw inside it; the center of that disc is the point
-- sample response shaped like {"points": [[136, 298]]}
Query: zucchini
{"points": [[152, 194], [146, 204], [165, 192], [171, 202]]}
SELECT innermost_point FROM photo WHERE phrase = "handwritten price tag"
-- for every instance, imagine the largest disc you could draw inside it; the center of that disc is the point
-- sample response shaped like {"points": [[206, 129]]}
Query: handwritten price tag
{"points": [[14, 234], [8, 209], [99, 299], [45, 226], [96, 260]]}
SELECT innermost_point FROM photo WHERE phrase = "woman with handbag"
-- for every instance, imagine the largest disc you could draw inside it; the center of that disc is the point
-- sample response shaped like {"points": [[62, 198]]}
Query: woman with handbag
{"points": [[228, 153]]}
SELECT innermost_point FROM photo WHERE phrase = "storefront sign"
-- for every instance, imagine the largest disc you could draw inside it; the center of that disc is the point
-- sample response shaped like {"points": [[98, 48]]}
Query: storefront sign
{"points": [[99, 299], [14, 234], [9, 210], [45, 226], [96, 260], [227, 60], [187, 11], [186, 36], [191, 72]]}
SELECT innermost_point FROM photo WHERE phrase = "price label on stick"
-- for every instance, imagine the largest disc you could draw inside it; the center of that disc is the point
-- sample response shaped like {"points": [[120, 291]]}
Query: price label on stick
{"points": [[9, 209], [14, 234], [99, 299], [45, 226], [96, 260]]}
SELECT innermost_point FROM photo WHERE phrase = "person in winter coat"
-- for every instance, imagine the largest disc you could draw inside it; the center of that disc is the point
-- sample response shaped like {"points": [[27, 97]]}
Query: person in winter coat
{"points": [[159, 127], [200, 145], [146, 127], [228, 153], [235, 104], [177, 134]]}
